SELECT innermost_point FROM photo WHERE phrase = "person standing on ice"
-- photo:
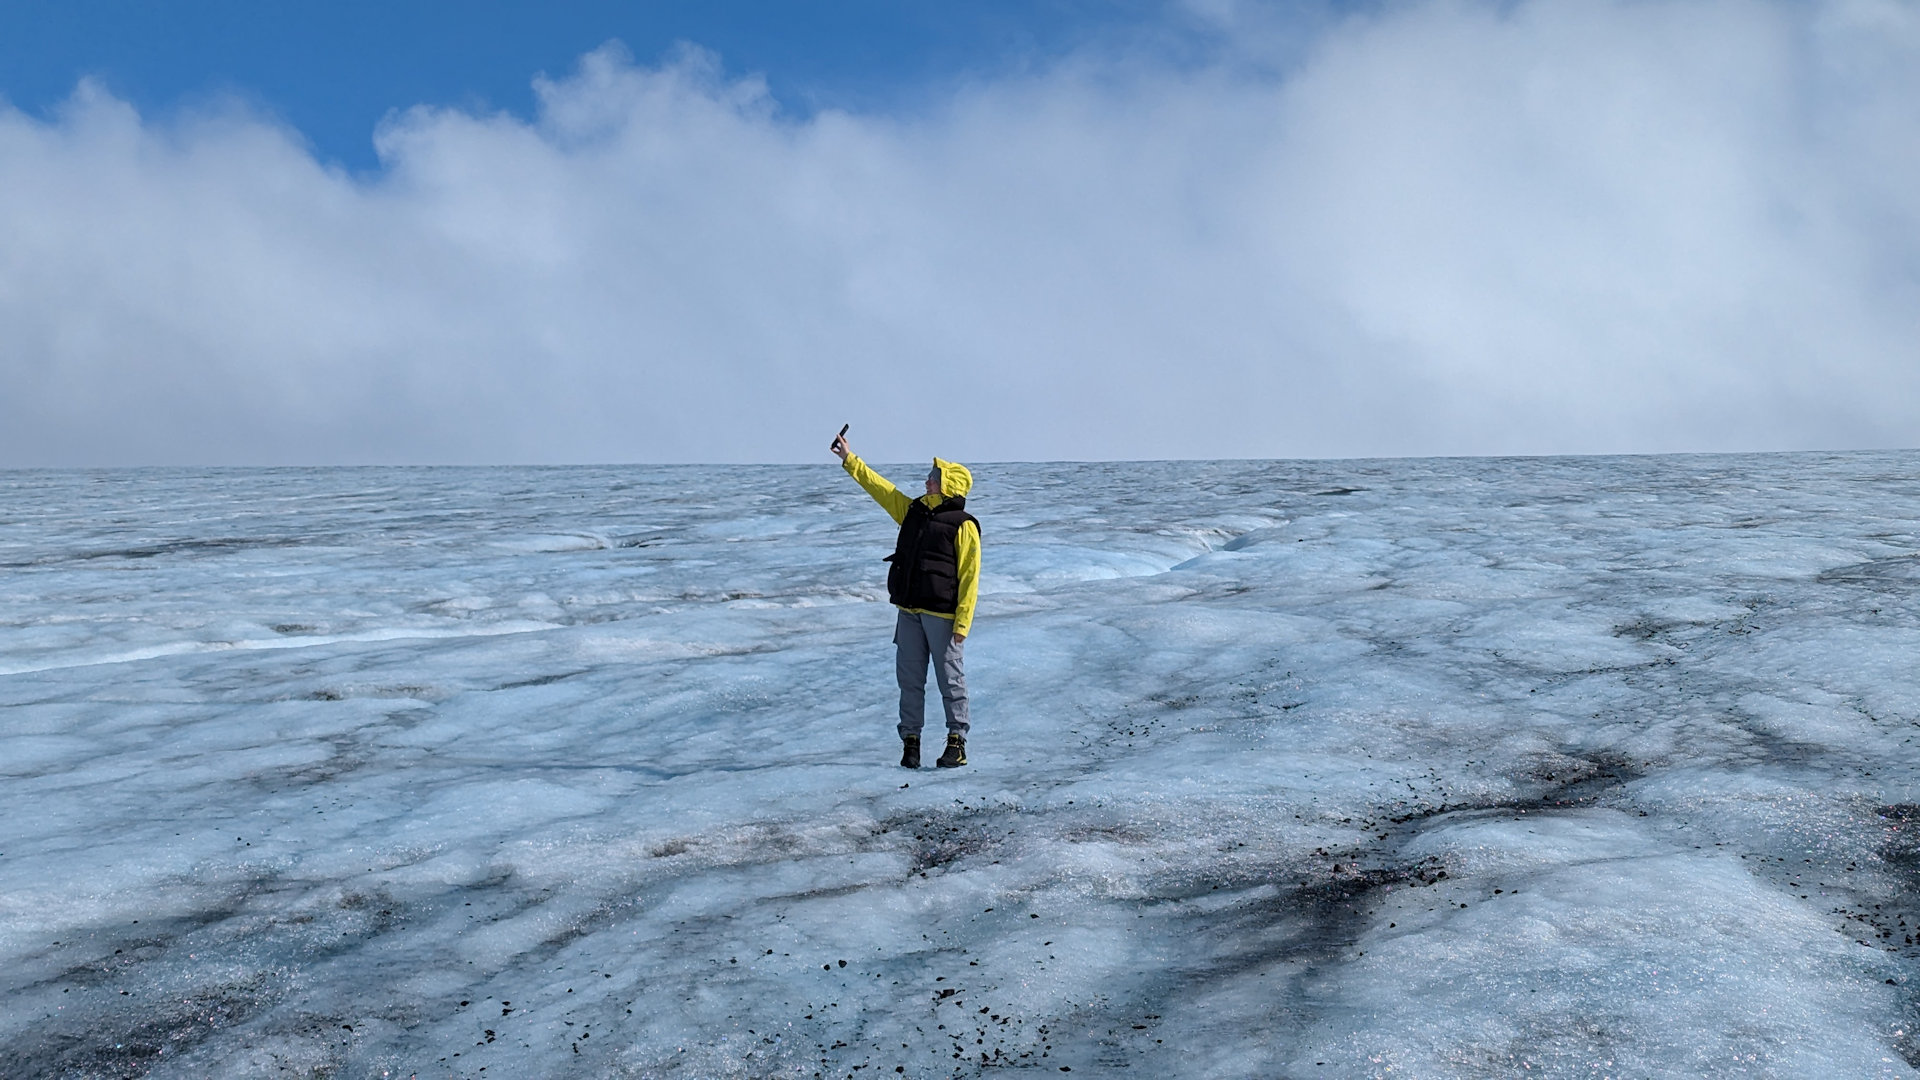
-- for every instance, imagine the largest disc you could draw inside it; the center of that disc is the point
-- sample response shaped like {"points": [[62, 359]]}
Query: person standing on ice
{"points": [[934, 580]]}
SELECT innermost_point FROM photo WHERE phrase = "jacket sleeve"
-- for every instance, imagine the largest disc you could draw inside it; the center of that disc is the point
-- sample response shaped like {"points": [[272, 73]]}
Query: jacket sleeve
{"points": [[889, 497], [966, 546]]}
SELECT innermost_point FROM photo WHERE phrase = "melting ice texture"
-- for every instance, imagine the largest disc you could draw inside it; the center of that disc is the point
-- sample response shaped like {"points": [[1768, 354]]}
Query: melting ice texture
{"points": [[1476, 768]]}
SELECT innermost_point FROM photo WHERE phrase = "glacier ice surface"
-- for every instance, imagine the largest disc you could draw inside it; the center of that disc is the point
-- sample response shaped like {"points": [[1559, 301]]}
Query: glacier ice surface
{"points": [[1481, 768]]}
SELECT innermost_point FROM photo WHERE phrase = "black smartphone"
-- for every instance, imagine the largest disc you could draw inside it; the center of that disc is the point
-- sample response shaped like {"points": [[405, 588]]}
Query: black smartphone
{"points": [[837, 438]]}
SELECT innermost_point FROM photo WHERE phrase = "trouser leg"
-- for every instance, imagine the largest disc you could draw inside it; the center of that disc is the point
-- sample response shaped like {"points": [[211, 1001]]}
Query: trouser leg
{"points": [[949, 669], [910, 669]]}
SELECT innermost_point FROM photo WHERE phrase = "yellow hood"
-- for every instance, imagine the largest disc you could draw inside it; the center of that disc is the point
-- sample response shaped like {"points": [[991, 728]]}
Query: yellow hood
{"points": [[955, 479]]}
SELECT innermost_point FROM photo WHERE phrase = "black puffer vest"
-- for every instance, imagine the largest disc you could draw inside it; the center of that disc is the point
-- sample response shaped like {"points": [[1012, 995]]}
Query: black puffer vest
{"points": [[926, 570]]}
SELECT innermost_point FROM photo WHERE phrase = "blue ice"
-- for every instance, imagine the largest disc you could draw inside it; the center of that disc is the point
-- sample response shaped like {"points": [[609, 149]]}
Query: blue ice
{"points": [[1596, 767]]}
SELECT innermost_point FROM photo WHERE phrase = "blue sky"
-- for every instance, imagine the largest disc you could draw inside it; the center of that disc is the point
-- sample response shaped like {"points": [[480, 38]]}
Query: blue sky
{"points": [[471, 233], [334, 69]]}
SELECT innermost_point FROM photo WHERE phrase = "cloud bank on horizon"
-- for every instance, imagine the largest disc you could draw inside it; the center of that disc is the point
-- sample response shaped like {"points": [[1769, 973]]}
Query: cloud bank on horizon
{"points": [[1450, 227]]}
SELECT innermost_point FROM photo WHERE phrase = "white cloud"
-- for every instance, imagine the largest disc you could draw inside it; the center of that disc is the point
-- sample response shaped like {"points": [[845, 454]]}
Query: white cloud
{"points": [[1449, 227]]}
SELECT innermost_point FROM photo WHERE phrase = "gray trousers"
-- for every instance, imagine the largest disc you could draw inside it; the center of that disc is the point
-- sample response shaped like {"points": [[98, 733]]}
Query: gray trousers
{"points": [[916, 639]]}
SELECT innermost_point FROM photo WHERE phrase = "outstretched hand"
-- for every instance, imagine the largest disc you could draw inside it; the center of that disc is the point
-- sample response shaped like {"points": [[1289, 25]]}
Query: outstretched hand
{"points": [[840, 447]]}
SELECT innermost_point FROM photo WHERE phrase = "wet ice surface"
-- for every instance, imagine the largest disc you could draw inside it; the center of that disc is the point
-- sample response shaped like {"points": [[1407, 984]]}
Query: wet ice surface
{"points": [[1584, 767]]}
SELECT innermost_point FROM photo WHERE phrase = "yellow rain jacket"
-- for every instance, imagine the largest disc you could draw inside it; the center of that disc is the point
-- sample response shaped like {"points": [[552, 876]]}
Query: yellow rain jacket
{"points": [[954, 480]]}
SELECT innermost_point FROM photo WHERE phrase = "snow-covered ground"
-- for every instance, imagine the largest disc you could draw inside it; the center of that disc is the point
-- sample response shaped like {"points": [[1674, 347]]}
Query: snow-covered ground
{"points": [[1478, 768]]}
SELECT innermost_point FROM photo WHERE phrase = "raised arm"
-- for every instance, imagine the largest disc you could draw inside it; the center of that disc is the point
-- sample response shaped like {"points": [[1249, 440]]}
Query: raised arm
{"points": [[889, 497]]}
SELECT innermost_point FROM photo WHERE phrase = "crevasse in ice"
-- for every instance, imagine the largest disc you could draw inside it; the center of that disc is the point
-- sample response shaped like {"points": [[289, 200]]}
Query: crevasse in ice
{"points": [[1567, 767]]}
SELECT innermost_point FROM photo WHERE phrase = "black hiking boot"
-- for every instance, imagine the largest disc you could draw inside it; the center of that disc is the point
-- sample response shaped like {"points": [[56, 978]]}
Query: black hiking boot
{"points": [[909, 751], [956, 754]]}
